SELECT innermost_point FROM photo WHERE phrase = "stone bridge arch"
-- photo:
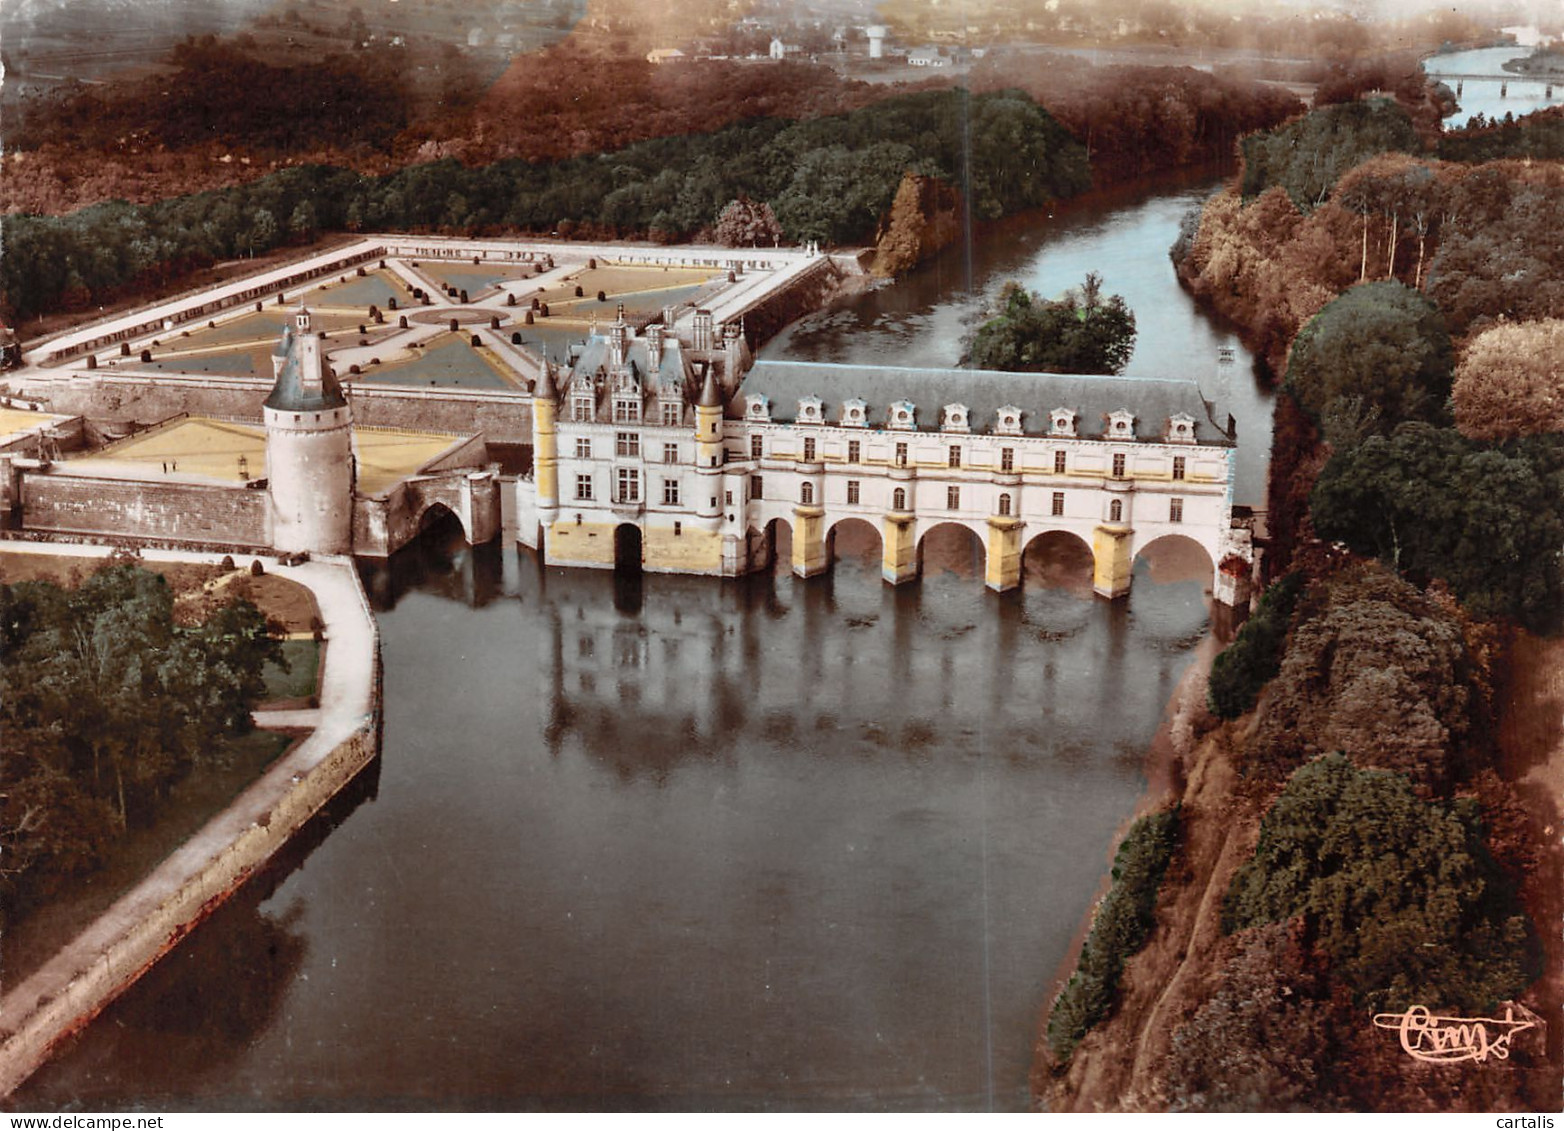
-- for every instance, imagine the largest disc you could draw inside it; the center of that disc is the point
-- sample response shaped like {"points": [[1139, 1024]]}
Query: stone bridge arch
{"points": [[1176, 556], [1057, 557], [941, 543]]}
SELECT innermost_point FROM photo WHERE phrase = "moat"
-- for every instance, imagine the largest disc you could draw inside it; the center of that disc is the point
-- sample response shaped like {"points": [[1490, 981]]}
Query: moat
{"points": [[676, 843]]}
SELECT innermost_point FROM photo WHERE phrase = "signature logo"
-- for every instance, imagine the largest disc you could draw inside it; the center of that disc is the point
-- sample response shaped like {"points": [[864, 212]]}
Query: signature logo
{"points": [[1448, 1040]]}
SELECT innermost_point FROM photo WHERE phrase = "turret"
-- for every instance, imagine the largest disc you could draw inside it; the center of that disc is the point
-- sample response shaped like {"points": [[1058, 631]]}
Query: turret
{"points": [[708, 449], [309, 448], [545, 445]]}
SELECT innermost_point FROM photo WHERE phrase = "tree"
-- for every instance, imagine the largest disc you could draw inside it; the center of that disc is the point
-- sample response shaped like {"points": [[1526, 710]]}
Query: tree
{"points": [[1507, 383], [1400, 893], [1079, 333], [746, 223], [1382, 342], [1434, 504], [104, 703], [1308, 156], [1254, 657], [1374, 668]]}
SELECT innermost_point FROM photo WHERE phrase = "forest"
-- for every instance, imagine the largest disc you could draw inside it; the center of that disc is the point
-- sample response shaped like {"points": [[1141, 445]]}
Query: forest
{"points": [[106, 701], [827, 179], [1416, 516]]}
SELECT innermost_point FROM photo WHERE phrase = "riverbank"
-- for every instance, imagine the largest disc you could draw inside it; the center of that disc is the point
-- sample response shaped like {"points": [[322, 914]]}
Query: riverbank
{"points": [[70, 989], [1186, 764]]}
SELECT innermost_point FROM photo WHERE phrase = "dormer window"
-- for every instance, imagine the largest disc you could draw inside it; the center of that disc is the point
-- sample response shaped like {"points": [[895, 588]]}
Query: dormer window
{"points": [[855, 413], [810, 410], [902, 414], [1062, 422], [954, 418], [581, 407], [627, 410], [759, 408], [1009, 421], [1181, 429], [1121, 424]]}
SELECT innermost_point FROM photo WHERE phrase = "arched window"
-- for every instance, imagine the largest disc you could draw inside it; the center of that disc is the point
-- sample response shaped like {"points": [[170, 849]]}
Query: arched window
{"points": [[1004, 504], [806, 494], [899, 499], [1116, 510]]}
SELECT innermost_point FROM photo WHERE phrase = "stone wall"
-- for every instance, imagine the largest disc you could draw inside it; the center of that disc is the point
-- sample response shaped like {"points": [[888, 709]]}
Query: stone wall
{"points": [[54, 501], [503, 416]]}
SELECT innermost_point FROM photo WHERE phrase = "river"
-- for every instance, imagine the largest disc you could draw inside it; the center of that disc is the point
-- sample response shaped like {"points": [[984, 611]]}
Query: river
{"points": [[1520, 95], [681, 843]]}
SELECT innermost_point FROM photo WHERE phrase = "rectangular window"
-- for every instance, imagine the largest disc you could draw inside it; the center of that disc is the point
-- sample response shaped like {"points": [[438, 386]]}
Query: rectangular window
{"points": [[854, 450], [1007, 459], [1175, 510], [670, 492], [670, 453], [627, 412], [757, 447], [1178, 467], [581, 409], [852, 492], [583, 448], [583, 487], [727, 498], [754, 487], [953, 498], [1059, 463], [1118, 465], [678, 529], [901, 455], [627, 443], [1058, 505], [629, 485], [809, 449], [671, 414], [955, 455]]}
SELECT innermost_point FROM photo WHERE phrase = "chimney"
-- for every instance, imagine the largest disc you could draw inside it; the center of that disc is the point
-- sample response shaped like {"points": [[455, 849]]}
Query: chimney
{"points": [[654, 346], [703, 330]]}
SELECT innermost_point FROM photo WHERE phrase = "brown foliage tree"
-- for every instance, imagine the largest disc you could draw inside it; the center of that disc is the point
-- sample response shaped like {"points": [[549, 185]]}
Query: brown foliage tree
{"points": [[1510, 381]]}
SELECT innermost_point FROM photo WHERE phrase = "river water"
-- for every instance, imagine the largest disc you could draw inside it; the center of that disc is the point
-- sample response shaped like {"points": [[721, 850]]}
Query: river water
{"points": [[679, 843], [1492, 97]]}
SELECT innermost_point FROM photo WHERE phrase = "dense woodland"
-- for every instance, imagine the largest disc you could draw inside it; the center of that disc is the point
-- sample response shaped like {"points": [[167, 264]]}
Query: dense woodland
{"points": [[828, 179], [565, 141], [105, 702], [1411, 305]]}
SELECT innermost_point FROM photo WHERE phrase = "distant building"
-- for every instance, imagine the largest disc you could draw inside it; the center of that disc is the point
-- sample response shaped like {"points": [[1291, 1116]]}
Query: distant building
{"points": [[926, 57], [778, 48], [666, 55], [477, 37], [876, 36]]}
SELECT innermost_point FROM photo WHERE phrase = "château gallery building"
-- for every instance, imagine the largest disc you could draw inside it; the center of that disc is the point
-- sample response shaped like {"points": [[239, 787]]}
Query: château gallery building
{"points": [[688, 457]]}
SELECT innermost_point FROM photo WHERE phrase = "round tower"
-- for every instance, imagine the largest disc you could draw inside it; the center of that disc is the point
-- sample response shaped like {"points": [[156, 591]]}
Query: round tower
{"points": [[708, 451], [309, 448]]}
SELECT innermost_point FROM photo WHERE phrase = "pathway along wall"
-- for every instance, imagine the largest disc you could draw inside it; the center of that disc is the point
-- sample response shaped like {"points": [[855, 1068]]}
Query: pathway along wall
{"points": [[123, 943]]}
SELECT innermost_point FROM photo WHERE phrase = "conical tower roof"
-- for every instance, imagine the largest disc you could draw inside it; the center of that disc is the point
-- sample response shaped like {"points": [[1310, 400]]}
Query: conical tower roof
{"points": [[305, 382]]}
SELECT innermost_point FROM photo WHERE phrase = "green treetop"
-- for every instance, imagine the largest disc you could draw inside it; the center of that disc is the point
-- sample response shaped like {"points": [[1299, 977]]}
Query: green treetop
{"points": [[1083, 332]]}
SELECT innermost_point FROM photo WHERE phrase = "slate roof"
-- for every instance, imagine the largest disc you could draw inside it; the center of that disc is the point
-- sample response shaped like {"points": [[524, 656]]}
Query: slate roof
{"points": [[1153, 400], [289, 393]]}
